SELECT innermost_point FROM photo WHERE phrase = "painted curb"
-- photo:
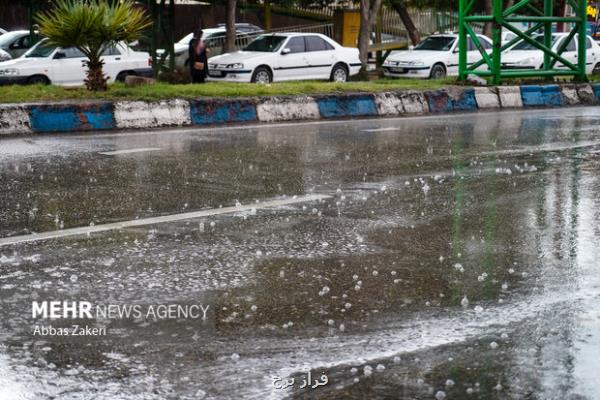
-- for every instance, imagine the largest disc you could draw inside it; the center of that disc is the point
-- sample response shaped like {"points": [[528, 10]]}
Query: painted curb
{"points": [[586, 94], [72, 117], [347, 105], [487, 97], [510, 96], [596, 90], [287, 109], [14, 119], [140, 114], [541, 96], [205, 112], [447, 100], [23, 119]]}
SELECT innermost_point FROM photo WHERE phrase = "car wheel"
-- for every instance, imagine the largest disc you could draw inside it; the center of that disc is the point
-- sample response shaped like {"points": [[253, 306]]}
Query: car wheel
{"points": [[262, 75], [122, 76], [596, 70], [38, 80], [339, 73], [437, 72]]}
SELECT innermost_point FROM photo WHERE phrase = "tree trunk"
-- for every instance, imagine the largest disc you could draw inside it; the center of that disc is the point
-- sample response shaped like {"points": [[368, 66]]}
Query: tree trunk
{"points": [[230, 27], [413, 33], [562, 10], [171, 36], [267, 15], [487, 28], [95, 80], [368, 13]]}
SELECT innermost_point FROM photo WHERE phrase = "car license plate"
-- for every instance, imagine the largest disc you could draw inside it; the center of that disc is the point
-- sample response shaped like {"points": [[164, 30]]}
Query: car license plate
{"points": [[215, 73], [399, 70]]}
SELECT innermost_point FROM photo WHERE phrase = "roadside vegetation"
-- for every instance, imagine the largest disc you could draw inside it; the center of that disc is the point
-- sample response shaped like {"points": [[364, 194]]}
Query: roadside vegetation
{"points": [[92, 27], [160, 91]]}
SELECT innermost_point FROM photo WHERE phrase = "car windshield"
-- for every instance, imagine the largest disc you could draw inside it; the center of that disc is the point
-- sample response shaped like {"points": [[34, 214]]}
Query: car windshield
{"points": [[439, 43], [41, 50], [205, 36], [186, 39], [522, 45], [266, 43]]}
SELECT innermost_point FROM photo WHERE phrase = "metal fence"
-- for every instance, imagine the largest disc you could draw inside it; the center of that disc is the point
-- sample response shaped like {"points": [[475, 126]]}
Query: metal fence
{"points": [[389, 27], [427, 21], [216, 43]]}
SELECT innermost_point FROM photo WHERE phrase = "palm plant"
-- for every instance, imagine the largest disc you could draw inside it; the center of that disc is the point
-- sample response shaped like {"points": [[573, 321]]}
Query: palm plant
{"points": [[92, 26]]}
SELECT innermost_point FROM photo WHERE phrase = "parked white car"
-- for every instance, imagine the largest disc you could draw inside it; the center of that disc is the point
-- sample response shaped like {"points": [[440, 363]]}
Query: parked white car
{"points": [[286, 57], [16, 43], [525, 56], [214, 38], [507, 36], [4, 56], [46, 64], [435, 57], [182, 46]]}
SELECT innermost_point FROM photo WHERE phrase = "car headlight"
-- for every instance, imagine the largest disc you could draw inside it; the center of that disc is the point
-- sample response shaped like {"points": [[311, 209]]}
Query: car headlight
{"points": [[235, 66], [526, 61], [389, 63], [9, 72], [416, 63]]}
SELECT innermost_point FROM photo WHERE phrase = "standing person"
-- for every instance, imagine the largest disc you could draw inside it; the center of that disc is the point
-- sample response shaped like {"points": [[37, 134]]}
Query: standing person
{"points": [[198, 58]]}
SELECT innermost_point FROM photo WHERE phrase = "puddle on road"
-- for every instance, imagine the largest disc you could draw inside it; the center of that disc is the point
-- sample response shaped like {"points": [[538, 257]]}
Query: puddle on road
{"points": [[456, 259]]}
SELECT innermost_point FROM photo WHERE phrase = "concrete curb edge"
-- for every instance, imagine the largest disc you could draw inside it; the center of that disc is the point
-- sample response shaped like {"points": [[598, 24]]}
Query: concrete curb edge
{"points": [[23, 119]]}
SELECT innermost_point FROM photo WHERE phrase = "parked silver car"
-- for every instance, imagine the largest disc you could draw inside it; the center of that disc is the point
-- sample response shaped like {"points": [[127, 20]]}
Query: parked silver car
{"points": [[4, 56], [16, 43]]}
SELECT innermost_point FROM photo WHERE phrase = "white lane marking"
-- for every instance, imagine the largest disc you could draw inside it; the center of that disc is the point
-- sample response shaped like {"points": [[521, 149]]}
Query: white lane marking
{"points": [[129, 151], [381, 129], [156, 220]]}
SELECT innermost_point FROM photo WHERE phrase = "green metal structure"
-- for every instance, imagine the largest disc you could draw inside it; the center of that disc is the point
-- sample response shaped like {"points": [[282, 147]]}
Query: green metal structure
{"points": [[537, 20]]}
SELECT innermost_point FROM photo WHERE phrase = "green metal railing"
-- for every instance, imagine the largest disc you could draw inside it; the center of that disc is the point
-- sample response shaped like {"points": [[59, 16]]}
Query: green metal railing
{"points": [[540, 20]]}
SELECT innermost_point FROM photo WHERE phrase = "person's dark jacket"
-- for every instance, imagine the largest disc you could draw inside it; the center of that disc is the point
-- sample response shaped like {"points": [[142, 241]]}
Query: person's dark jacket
{"points": [[193, 57]]}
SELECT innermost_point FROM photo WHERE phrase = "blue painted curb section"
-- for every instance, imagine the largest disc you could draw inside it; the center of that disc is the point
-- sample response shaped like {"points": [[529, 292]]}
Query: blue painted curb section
{"points": [[341, 106], [541, 96], [72, 117], [205, 112], [16, 119]]}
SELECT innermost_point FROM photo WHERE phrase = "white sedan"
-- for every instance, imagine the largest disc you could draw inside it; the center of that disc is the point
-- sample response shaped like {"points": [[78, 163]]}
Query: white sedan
{"points": [[435, 57], [181, 47], [214, 38], [46, 64], [286, 57], [525, 56]]}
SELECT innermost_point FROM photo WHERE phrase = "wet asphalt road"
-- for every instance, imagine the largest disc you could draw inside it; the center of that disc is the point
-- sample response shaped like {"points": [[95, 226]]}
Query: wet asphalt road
{"points": [[450, 256]]}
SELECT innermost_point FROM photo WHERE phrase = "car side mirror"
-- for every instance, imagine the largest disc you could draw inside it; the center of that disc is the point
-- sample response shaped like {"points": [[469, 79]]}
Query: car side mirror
{"points": [[60, 55], [411, 47], [285, 51]]}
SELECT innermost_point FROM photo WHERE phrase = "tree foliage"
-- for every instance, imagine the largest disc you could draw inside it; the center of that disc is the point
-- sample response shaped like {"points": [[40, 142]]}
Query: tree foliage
{"points": [[92, 26]]}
